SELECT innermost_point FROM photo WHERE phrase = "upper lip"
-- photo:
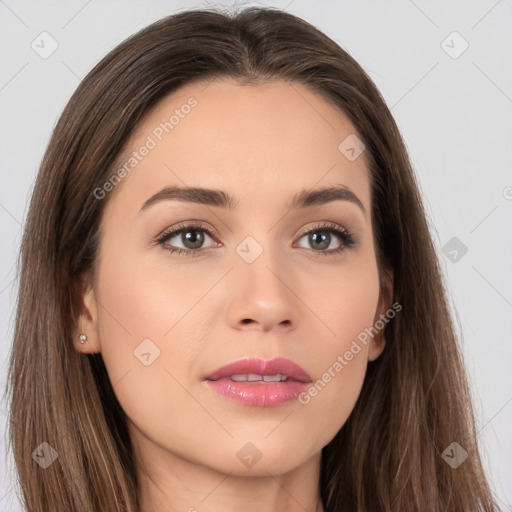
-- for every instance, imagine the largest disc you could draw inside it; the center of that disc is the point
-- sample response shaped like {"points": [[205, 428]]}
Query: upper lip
{"points": [[261, 367]]}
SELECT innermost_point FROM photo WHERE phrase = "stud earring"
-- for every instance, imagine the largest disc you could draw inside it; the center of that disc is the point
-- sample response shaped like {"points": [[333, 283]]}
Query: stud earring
{"points": [[83, 338]]}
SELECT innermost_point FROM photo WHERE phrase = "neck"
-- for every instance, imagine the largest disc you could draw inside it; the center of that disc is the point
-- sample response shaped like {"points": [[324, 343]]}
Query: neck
{"points": [[169, 483]]}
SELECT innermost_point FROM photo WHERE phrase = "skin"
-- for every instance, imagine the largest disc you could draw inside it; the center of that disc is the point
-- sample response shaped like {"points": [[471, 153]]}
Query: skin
{"points": [[262, 144]]}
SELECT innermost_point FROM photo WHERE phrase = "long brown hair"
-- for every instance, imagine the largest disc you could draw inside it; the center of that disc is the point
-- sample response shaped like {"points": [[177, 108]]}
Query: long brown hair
{"points": [[415, 400]]}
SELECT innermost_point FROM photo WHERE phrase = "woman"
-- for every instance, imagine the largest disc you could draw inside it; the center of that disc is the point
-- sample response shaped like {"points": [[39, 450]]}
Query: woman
{"points": [[243, 308]]}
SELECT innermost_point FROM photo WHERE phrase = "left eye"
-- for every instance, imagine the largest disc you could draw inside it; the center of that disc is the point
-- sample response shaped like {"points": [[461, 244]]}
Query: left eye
{"points": [[321, 239]]}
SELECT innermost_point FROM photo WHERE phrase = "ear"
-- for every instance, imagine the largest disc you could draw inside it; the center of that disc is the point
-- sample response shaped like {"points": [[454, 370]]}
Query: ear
{"points": [[378, 343], [87, 321]]}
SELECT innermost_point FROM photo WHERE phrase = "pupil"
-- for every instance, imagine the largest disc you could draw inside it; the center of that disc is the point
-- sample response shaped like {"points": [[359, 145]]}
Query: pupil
{"points": [[193, 238], [324, 240]]}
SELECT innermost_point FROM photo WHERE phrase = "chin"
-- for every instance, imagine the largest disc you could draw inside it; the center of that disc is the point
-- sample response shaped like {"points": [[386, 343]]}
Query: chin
{"points": [[259, 459]]}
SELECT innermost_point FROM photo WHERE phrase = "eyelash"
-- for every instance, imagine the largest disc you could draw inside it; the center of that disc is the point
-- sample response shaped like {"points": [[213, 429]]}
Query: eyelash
{"points": [[347, 239]]}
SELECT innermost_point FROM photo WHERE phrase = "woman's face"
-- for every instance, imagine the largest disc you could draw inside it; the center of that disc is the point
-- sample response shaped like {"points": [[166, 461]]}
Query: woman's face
{"points": [[261, 276]]}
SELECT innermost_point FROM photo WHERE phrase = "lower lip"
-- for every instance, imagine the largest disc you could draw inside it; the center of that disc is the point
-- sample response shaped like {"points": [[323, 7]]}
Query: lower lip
{"points": [[268, 394]]}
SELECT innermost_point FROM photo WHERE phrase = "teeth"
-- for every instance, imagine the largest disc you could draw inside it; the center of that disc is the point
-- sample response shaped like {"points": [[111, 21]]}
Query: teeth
{"points": [[238, 378], [274, 378], [252, 377]]}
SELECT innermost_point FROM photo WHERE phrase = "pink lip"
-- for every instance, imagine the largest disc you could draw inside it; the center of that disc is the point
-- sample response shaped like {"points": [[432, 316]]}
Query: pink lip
{"points": [[260, 394]]}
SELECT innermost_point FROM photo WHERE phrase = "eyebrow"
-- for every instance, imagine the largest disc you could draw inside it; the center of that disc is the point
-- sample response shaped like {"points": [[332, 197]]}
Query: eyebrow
{"points": [[212, 197]]}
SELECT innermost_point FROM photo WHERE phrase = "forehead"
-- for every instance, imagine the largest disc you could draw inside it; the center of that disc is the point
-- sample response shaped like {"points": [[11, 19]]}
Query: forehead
{"points": [[256, 142]]}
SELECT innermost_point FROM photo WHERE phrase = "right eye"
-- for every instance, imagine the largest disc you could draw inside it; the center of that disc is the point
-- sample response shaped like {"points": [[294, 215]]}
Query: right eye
{"points": [[192, 237]]}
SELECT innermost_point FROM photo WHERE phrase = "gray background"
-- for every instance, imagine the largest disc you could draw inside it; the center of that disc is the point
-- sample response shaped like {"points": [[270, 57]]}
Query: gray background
{"points": [[453, 111]]}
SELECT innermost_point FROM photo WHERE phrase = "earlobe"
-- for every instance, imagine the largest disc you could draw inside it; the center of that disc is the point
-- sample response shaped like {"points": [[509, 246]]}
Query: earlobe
{"points": [[86, 338]]}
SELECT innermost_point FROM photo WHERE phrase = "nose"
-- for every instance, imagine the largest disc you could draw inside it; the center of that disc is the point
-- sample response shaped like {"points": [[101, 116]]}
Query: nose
{"points": [[263, 298]]}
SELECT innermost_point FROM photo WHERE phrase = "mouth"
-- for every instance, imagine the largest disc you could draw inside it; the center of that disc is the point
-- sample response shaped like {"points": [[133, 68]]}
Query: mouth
{"points": [[258, 382], [251, 377]]}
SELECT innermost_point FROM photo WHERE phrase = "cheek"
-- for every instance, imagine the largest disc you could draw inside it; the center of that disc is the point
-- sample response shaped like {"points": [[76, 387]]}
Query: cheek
{"points": [[145, 301], [347, 312], [344, 301], [146, 345], [152, 316]]}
